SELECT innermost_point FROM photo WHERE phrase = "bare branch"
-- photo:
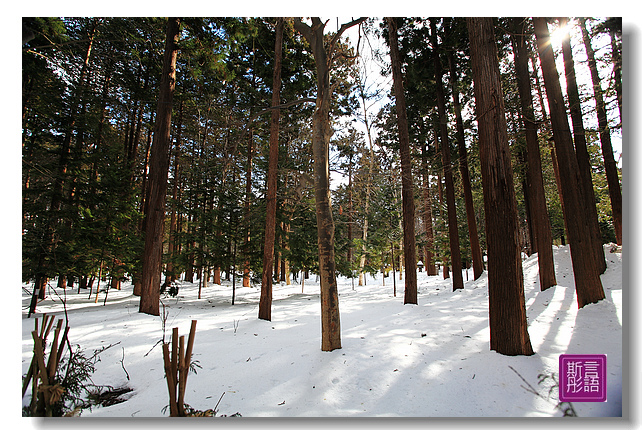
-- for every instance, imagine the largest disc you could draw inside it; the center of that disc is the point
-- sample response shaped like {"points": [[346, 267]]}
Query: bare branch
{"points": [[316, 23], [302, 28], [334, 86], [342, 54], [343, 28]]}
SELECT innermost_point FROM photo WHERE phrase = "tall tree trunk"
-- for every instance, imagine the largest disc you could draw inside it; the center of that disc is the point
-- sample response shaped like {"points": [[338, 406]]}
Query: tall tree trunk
{"points": [[248, 185], [132, 155], [173, 233], [587, 278], [285, 269], [440, 197], [366, 208], [321, 134], [581, 151], [407, 190], [551, 146], [158, 172], [507, 309], [453, 231], [616, 35], [277, 258], [265, 303], [350, 218], [610, 166], [189, 270], [137, 275], [248, 195], [429, 259], [529, 234], [282, 259], [475, 248], [538, 214]]}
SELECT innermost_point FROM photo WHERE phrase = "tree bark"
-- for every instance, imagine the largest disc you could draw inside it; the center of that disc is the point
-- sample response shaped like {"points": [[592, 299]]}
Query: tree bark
{"points": [[551, 146], [507, 310], [285, 264], [616, 35], [248, 195], [587, 278], [429, 258], [321, 133], [350, 219], [538, 214], [265, 303], [407, 189], [173, 233], [475, 248], [581, 151], [366, 208], [610, 166], [158, 172], [137, 275], [453, 231]]}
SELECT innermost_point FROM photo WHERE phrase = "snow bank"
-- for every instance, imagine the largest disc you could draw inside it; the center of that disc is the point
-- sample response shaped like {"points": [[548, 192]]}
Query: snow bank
{"points": [[425, 360]]}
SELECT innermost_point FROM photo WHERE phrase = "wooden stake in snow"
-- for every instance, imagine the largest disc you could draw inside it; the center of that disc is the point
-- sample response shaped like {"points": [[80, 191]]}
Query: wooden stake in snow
{"points": [[177, 368], [46, 391]]}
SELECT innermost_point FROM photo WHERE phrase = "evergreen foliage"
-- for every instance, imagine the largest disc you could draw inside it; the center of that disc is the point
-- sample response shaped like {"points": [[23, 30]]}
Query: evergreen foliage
{"points": [[89, 93]]}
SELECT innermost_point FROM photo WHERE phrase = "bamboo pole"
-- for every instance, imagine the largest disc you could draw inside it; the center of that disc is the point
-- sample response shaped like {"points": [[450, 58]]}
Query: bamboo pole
{"points": [[32, 373], [190, 342], [171, 381], [181, 376], [45, 394], [186, 358], [25, 383], [175, 356], [177, 365], [52, 364], [41, 369], [47, 322], [62, 346]]}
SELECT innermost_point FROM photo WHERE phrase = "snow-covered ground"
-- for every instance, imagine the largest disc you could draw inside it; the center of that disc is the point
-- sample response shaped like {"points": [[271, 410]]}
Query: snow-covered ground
{"points": [[396, 360]]}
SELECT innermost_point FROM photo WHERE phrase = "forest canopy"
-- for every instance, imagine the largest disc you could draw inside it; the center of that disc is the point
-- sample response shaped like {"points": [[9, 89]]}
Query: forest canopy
{"points": [[90, 106]]}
